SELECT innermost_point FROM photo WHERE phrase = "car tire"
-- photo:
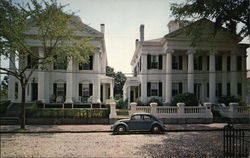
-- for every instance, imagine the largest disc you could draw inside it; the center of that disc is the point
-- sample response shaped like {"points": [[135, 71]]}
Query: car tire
{"points": [[120, 129], [155, 129]]}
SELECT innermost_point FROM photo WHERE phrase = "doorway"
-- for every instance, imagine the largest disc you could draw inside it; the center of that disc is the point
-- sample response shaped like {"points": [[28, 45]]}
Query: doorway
{"points": [[34, 90]]}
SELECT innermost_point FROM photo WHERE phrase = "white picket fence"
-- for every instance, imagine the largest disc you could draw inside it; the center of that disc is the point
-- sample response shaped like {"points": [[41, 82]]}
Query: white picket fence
{"points": [[235, 111], [179, 111]]}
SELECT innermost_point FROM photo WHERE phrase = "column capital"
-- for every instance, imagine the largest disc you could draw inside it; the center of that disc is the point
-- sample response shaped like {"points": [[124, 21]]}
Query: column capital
{"points": [[191, 51], [169, 51]]}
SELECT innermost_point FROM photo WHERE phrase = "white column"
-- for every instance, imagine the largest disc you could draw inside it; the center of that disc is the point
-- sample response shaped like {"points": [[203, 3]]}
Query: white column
{"points": [[69, 82], [244, 78], [41, 79], [11, 85], [224, 75], [191, 71], [129, 89], [212, 78], [104, 92], [112, 89], [233, 76], [169, 76], [97, 82], [144, 78]]}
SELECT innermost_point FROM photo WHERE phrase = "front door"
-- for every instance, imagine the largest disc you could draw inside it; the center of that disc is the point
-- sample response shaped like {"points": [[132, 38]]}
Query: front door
{"points": [[197, 91], [34, 90]]}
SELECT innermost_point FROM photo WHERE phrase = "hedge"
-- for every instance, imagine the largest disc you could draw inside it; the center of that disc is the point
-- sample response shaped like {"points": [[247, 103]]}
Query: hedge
{"points": [[67, 113], [3, 105]]}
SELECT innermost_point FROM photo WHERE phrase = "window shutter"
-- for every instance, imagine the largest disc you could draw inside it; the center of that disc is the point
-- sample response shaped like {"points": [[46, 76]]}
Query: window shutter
{"points": [[90, 89], [149, 61], [28, 61], [148, 89], [180, 87], [208, 60], [91, 62], [54, 88], [160, 89], [80, 89], [200, 62], [80, 66], [160, 62], [180, 62], [64, 91]]}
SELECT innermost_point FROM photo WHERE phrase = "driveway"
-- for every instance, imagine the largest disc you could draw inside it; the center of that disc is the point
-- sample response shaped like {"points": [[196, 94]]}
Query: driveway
{"points": [[181, 144]]}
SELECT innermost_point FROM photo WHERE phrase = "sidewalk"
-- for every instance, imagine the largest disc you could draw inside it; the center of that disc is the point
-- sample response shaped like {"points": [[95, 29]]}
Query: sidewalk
{"points": [[103, 128]]}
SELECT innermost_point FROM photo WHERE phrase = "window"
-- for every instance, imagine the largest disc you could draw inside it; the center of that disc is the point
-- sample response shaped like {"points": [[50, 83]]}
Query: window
{"points": [[136, 117], [176, 88], [228, 63], [85, 91], [239, 63], [16, 90], [60, 89], [135, 71], [154, 89], [140, 65], [218, 63], [146, 117], [88, 65], [32, 62], [60, 64], [198, 63], [228, 89], [239, 89], [218, 91], [177, 62], [154, 62]]}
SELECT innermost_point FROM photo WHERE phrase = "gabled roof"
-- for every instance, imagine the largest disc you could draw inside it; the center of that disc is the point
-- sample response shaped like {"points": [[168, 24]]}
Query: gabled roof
{"points": [[208, 23]]}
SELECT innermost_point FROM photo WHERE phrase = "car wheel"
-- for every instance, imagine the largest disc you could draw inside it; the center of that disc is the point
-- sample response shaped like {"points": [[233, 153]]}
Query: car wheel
{"points": [[155, 129], [120, 129]]}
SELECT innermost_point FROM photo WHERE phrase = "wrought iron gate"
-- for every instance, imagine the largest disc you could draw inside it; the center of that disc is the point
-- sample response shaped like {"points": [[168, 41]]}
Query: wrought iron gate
{"points": [[236, 141]]}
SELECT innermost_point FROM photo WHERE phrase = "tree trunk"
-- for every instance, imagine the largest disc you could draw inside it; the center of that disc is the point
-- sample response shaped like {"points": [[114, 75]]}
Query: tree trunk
{"points": [[23, 107]]}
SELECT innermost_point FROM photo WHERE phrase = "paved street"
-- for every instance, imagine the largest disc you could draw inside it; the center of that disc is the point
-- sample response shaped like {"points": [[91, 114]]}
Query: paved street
{"points": [[181, 144]]}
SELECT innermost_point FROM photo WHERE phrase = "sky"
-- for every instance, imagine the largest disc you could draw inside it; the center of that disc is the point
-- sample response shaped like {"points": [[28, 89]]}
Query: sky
{"points": [[122, 19]]}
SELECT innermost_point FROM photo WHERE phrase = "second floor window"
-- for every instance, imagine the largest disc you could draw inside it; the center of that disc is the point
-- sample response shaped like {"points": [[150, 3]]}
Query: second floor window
{"points": [[198, 63], [60, 64], [177, 62], [218, 63], [88, 65], [31, 62], [154, 61]]}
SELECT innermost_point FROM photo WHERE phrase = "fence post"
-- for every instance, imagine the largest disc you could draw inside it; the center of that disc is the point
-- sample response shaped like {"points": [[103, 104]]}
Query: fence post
{"points": [[112, 110], [208, 109], [233, 109], [181, 111], [133, 107], [153, 108]]}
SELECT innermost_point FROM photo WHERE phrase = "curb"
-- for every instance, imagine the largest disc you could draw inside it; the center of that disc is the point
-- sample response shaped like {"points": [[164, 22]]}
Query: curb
{"points": [[109, 131]]}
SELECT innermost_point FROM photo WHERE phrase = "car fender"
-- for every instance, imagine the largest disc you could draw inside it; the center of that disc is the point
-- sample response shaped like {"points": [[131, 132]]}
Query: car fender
{"points": [[122, 123]]}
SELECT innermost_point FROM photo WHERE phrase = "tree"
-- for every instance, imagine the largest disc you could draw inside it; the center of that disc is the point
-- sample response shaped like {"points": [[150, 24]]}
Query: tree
{"points": [[53, 28], [119, 80], [228, 13]]}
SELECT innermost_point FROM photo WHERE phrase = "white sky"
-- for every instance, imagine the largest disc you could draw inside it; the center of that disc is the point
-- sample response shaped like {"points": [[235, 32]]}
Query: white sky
{"points": [[122, 19]]}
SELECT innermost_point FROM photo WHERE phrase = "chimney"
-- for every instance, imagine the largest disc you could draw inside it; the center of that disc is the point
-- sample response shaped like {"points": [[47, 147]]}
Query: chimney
{"points": [[136, 42], [142, 33], [102, 28]]}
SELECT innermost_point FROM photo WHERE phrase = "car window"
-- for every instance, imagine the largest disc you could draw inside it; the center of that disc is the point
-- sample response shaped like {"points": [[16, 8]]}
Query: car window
{"points": [[146, 117], [136, 117]]}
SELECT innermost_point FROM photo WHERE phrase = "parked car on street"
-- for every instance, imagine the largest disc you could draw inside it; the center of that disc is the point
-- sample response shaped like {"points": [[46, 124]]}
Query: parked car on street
{"points": [[138, 122]]}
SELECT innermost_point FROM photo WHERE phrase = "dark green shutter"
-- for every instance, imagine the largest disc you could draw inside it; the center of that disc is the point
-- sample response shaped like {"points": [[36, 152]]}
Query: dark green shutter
{"points": [[180, 87], [90, 89], [160, 89], [149, 61], [160, 62], [91, 62], [180, 62], [54, 88], [80, 89], [148, 89]]}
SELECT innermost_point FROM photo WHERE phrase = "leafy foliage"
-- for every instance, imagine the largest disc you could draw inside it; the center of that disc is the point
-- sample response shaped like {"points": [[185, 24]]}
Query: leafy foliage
{"points": [[188, 98], [156, 100], [119, 80], [228, 13], [120, 104], [3, 106], [230, 99]]}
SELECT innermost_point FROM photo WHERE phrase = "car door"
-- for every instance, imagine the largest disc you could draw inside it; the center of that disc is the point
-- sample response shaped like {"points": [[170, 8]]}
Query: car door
{"points": [[135, 123], [147, 121]]}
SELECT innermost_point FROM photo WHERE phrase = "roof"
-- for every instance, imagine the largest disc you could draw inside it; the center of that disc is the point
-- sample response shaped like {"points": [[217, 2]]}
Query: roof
{"points": [[155, 40]]}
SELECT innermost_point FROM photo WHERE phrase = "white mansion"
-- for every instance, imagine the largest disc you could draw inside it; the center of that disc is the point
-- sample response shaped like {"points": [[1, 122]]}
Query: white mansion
{"points": [[80, 83], [169, 65]]}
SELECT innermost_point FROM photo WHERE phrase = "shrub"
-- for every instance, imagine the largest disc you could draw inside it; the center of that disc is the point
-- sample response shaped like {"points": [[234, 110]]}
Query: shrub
{"points": [[67, 113], [3, 106], [120, 104], [230, 99], [140, 103], [156, 100], [188, 98]]}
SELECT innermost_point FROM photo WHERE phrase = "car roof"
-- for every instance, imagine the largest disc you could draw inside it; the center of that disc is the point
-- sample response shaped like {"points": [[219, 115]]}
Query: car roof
{"points": [[142, 114]]}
